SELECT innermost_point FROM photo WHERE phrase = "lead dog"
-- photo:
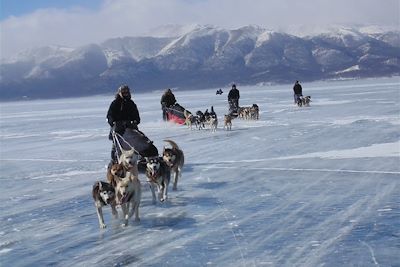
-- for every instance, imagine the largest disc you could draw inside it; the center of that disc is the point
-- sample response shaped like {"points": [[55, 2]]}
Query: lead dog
{"points": [[174, 158], [158, 175], [128, 160], [104, 194], [124, 177], [227, 122], [128, 192]]}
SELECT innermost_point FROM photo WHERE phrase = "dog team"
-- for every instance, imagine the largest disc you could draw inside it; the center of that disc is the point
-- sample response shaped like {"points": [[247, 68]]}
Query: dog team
{"points": [[123, 187], [206, 120], [209, 120]]}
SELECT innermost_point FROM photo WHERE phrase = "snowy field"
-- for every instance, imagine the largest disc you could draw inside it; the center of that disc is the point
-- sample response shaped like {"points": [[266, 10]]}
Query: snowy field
{"points": [[314, 186]]}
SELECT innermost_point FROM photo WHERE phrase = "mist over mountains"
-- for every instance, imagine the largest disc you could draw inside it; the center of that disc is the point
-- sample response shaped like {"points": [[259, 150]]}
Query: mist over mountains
{"points": [[201, 57]]}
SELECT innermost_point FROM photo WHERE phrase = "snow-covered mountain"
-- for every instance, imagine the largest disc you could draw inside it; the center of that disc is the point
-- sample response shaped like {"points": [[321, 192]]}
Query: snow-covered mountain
{"points": [[201, 57]]}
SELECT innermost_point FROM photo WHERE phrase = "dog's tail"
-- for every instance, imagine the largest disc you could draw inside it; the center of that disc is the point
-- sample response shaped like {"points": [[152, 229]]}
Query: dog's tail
{"points": [[172, 143]]}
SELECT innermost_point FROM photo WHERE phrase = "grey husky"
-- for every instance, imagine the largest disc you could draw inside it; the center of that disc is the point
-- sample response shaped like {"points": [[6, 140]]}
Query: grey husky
{"points": [[174, 158], [158, 175]]}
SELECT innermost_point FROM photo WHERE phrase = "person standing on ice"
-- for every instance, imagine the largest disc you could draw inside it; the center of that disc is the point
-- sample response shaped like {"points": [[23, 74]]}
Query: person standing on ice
{"points": [[167, 100], [122, 114], [233, 99], [298, 91]]}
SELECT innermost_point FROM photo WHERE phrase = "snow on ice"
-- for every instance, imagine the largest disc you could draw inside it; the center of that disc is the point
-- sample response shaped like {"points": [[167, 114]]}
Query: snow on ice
{"points": [[313, 186]]}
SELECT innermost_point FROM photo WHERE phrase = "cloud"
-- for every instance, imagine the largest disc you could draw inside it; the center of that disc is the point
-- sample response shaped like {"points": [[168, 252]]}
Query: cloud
{"points": [[116, 18]]}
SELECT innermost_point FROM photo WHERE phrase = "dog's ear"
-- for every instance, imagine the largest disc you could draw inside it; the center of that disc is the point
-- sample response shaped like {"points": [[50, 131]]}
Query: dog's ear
{"points": [[100, 185]]}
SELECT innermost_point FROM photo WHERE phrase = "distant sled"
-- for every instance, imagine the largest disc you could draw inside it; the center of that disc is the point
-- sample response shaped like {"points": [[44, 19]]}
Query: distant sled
{"points": [[176, 114]]}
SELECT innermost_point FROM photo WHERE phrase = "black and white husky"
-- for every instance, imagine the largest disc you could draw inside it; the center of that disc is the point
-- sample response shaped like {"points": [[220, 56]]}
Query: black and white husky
{"points": [[104, 194], [158, 175], [306, 101]]}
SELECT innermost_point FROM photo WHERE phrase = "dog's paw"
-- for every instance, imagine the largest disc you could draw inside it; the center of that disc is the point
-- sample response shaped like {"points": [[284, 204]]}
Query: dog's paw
{"points": [[103, 225], [125, 224]]}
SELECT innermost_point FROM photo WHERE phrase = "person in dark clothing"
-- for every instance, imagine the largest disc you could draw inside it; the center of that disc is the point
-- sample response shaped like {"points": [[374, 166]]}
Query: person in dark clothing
{"points": [[298, 91], [167, 100], [122, 114], [233, 98]]}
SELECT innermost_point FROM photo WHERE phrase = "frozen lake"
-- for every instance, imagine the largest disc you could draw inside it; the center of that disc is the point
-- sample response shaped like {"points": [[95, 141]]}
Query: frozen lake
{"points": [[313, 186]]}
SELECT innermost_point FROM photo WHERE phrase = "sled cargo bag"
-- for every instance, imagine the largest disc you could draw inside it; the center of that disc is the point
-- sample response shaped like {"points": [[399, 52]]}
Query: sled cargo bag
{"points": [[233, 109], [139, 141], [176, 114]]}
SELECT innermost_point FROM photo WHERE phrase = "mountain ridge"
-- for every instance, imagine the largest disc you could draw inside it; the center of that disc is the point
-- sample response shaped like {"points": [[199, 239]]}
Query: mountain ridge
{"points": [[203, 57]]}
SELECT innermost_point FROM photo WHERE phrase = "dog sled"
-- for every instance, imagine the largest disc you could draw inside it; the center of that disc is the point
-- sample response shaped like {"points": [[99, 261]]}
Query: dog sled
{"points": [[137, 140], [132, 138], [176, 114], [233, 109]]}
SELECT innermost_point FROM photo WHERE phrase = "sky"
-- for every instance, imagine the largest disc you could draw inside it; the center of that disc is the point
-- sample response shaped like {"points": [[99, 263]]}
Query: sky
{"points": [[28, 24]]}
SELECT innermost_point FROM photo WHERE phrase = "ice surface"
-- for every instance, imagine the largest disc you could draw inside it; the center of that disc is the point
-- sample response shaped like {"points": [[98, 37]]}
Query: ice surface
{"points": [[313, 186]]}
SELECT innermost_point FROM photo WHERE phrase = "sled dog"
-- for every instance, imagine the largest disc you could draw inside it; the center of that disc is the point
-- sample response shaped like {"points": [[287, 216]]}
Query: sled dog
{"points": [[306, 101], [128, 192], [299, 100], [211, 119], [189, 118], [227, 122], [158, 175], [104, 194], [174, 158], [254, 112], [199, 120], [128, 159], [113, 171]]}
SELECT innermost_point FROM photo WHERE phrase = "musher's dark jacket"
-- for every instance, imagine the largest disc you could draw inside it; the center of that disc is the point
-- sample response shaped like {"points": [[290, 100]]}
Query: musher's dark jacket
{"points": [[233, 94], [123, 110], [298, 90], [168, 99]]}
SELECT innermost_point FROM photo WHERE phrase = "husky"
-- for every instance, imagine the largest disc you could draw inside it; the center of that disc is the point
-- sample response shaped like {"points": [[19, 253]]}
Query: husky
{"points": [[174, 158], [104, 194], [124, 177], [306, 101], [189, 118], [113, 171], [228, 122], [159, 175], [211, 119], [129, 159], [254, 112], [199, 120], [128, 192]]}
